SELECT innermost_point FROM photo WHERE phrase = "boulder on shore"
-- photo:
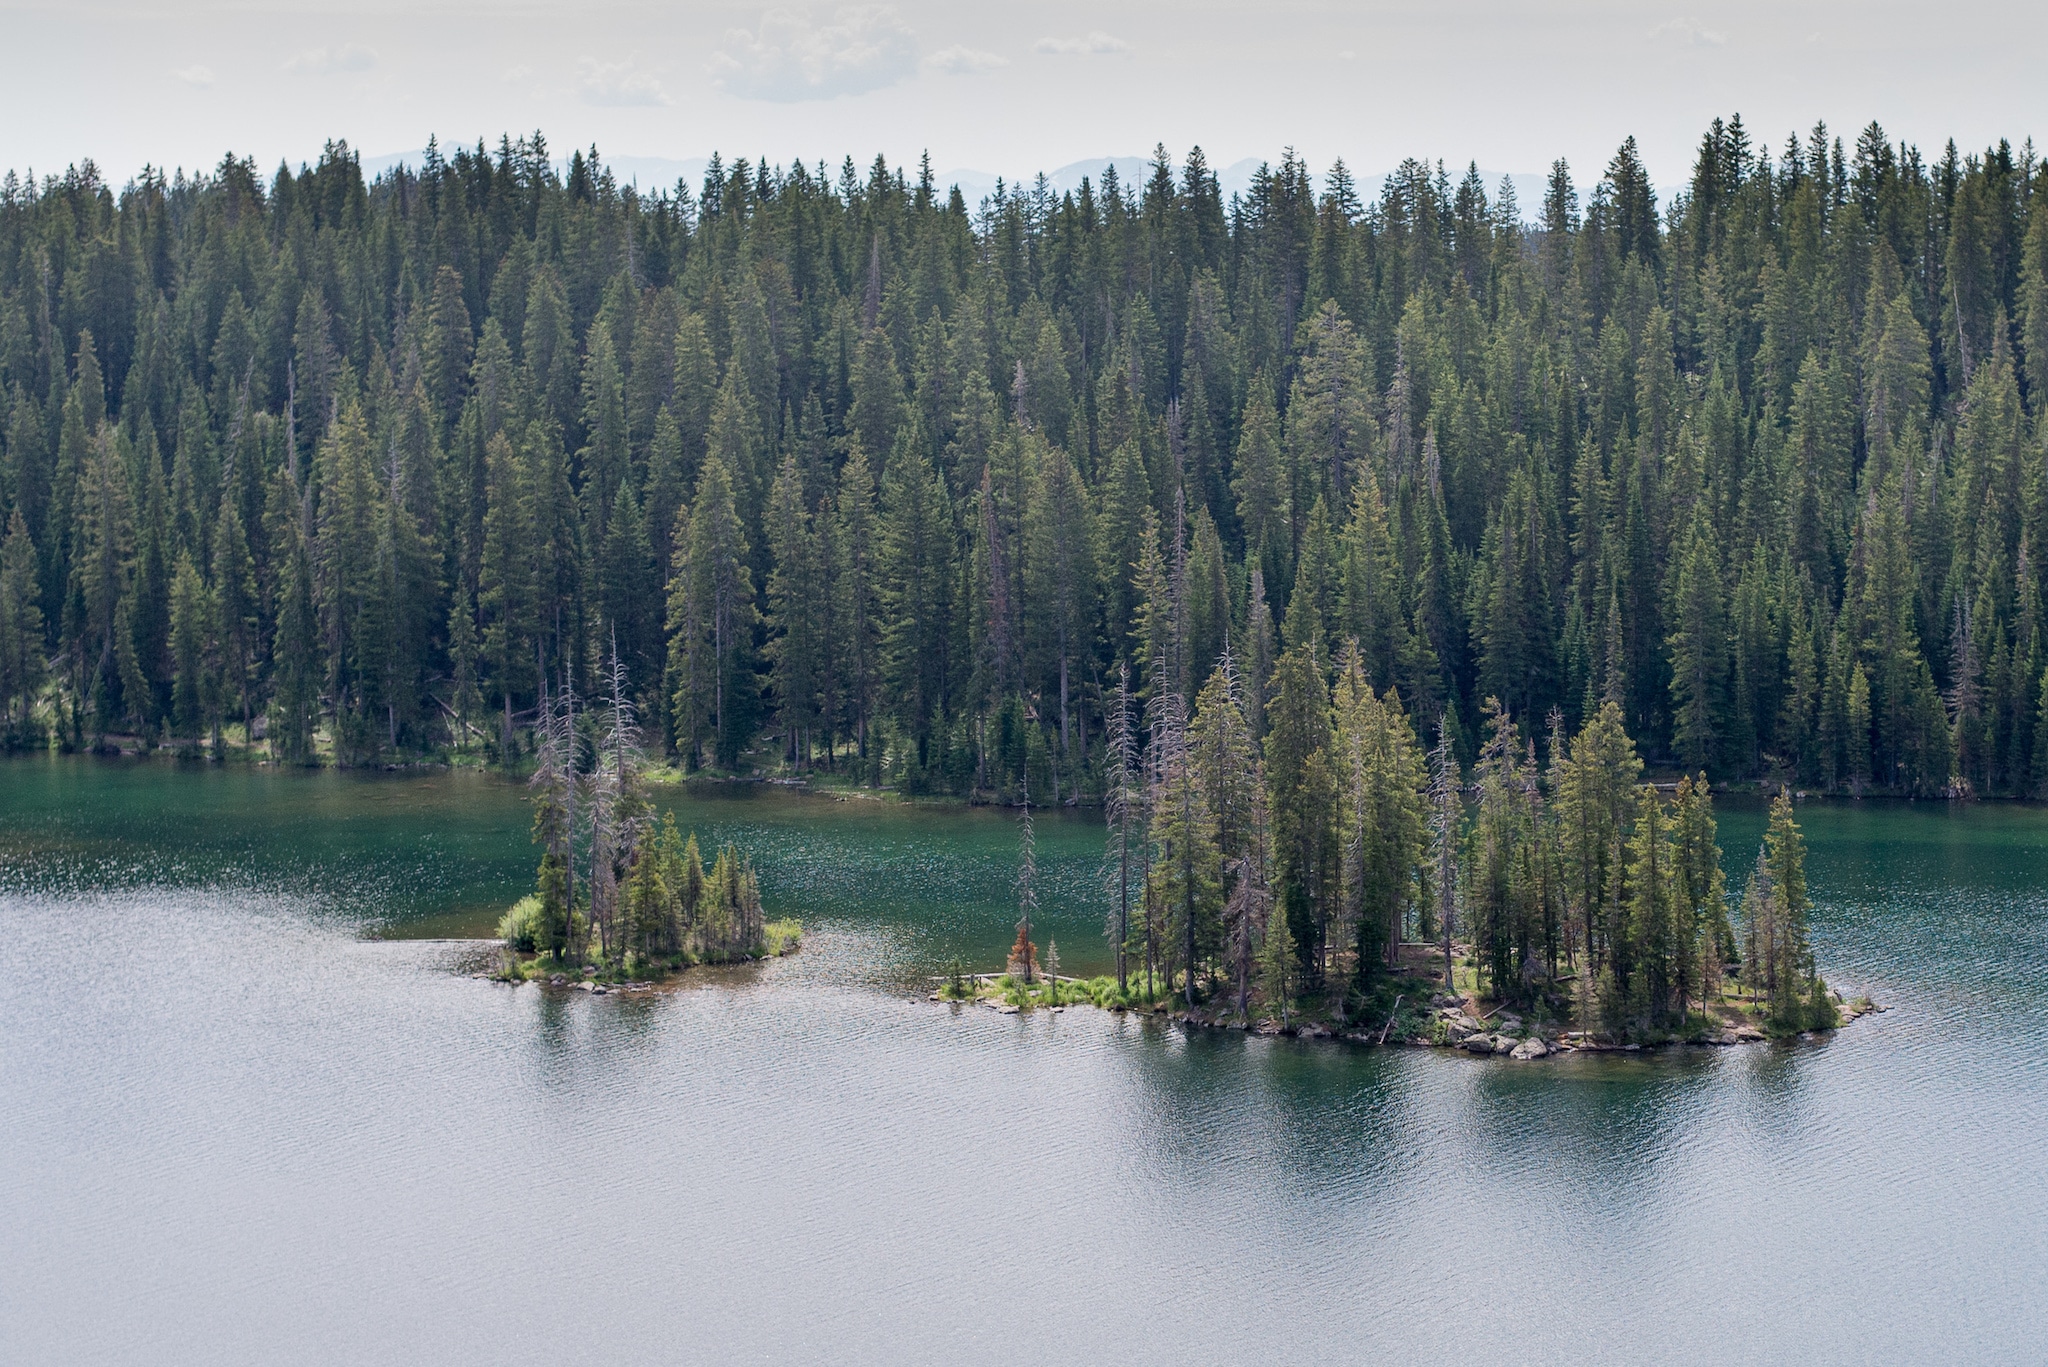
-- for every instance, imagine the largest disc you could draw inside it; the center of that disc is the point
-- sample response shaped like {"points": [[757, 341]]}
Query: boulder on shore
{"points": [[1529, 1048], [1477, 1044]]}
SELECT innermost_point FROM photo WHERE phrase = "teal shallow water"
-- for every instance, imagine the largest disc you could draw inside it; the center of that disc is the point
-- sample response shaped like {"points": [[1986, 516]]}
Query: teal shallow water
{"points": [[238, 1130]]}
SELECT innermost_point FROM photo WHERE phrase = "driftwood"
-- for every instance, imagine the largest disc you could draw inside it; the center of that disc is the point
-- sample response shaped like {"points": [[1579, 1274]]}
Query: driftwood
{"points": [[1390, 1019]]}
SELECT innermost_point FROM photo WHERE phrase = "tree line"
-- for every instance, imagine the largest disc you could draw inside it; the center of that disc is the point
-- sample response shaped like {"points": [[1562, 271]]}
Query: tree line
{"points": [[852, 477]]}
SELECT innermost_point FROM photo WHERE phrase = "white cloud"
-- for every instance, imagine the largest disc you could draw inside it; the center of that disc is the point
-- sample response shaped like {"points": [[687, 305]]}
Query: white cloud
{"points": [[1096, 44], [1689, 33], [789, 57], [517, 73], [322, 61], [196, 74], [618, 85], [964, 61]]}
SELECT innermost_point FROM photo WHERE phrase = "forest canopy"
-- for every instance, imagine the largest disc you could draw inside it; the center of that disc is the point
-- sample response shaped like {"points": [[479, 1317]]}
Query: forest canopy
{"points": [[853, 475]]}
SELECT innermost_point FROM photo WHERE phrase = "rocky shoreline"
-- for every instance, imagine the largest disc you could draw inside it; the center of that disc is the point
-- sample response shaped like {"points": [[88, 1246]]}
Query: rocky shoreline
{"points": [[1450, 1025], [518, 970]]}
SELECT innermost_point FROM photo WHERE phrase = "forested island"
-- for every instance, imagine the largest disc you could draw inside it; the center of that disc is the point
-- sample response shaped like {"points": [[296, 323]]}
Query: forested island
{"points": [[647, 906], [1574, 899]]}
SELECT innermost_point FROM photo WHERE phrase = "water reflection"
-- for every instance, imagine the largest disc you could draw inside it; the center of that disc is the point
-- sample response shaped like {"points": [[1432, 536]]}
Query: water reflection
{"points": [[232, 1124]]}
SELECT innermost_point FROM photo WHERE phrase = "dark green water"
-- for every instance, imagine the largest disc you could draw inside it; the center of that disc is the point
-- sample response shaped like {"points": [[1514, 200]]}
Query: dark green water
{"points": [[246, 1115]]}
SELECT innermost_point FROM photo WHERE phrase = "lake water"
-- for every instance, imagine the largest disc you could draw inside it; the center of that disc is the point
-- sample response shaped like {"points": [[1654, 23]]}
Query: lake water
{"points": [[249, 1115]]}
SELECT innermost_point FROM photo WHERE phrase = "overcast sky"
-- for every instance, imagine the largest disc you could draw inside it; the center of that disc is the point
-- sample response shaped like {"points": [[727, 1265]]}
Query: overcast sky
{"points": [[1007, 88]]}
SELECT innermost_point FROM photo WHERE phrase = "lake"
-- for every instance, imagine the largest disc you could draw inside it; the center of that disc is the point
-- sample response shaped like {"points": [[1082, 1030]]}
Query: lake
{"points": [[251, 1111]]}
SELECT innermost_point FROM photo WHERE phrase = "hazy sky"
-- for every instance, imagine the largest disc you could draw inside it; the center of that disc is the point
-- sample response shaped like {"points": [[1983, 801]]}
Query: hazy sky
{"points": [[1006, 88]]}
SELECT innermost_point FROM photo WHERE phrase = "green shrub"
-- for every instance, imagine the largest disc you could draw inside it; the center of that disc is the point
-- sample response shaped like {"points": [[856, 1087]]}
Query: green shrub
{"points": [[1820, 1008], [780, 937], [520, 928]]}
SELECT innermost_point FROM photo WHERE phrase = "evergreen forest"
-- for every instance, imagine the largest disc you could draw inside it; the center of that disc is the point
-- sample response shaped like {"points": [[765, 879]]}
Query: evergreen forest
{"points": [[861, 480]]}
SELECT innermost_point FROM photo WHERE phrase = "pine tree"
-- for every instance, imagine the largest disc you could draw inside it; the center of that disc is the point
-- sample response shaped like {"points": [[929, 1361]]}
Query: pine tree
{"points": [[1264, 511], [237, 614], [465, 700], [1704, 938], [1250, 903], [1279, 965], [1060, 578], [619, 811], [1786, 956], [554, 821], [1595, 797], [1329, 423], [877, 391], [355, 592], [1122, 806], [191, 646], [21, 631], [1185, 888], [1126, 504], [913, 584], [864, 555], [796, 607], [1503, 884], [711, 618], [1023, 955], [1303, 803], [1445, 825], [295, 659], [1641, 967], [508, 596], [604, 462], [1381, 778], [450, 342], [626, 588], [1698, 647]]}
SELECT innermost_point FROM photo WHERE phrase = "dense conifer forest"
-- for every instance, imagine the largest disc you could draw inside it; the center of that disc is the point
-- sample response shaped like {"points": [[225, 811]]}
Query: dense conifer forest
{"points": [[1258, 521], [864, 478]]}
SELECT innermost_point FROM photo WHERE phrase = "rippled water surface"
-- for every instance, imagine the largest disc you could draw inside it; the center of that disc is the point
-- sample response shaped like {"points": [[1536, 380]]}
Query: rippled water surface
{"points": [[251, 1113]]}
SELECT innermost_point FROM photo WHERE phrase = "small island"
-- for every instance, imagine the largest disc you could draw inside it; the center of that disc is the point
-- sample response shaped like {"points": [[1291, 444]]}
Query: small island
{"points": [[647, 906], [1527, 912]]}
